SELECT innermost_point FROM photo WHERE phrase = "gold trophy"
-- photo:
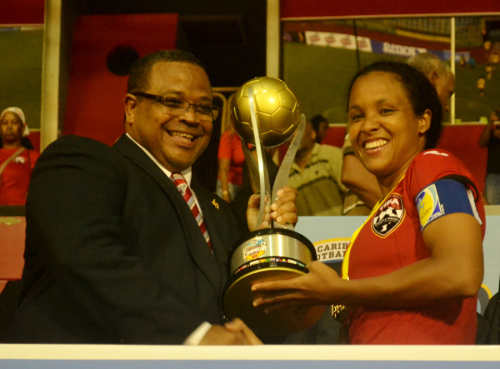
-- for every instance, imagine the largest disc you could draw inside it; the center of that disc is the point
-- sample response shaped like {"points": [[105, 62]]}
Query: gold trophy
{"points": [[266, 114]]}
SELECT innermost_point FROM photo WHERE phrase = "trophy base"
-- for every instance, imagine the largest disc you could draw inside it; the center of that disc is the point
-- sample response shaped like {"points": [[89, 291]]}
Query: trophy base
{"points": [[270, 254]]}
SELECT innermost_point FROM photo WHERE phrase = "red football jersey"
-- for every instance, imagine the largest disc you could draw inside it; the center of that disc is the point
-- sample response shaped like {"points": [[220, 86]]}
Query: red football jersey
{"points": [[391, 239]]}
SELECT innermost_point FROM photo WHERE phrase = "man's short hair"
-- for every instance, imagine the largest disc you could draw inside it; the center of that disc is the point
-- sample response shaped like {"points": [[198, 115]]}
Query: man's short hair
{"points": [[138, 79], [428, 63]]}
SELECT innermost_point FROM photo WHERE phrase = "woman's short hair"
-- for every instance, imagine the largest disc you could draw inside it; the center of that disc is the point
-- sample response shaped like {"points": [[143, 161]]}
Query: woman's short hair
{"points": [[421, 93]]}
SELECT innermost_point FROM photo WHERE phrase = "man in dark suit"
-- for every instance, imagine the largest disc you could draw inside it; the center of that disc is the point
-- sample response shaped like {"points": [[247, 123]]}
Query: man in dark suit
{"points": [[113, 251]]}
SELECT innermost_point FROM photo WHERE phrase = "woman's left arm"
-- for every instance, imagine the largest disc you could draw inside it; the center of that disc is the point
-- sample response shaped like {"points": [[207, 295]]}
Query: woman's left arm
{"points": [[455, 242], [454, 269]]}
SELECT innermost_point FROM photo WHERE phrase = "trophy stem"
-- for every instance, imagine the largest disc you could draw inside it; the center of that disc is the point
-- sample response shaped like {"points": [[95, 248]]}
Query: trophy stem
{"points": [[265, 188]]}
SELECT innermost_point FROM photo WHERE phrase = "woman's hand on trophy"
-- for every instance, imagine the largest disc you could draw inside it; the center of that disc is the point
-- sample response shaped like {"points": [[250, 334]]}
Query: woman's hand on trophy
{"points": [[321, 286]]}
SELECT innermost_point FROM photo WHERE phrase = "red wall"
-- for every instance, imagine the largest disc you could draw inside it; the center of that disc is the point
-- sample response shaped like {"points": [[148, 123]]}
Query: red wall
{"points": [[94, 102], [324, 8], [31, 11], [21, 11], [461, 140]]}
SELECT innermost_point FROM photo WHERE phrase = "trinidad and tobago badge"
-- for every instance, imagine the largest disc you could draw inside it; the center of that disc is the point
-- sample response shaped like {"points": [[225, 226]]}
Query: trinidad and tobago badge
{"points": [[388, 216]]}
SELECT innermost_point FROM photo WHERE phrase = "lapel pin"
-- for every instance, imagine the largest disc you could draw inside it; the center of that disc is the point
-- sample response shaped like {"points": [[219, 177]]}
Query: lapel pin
{"points": [[215, 204]]}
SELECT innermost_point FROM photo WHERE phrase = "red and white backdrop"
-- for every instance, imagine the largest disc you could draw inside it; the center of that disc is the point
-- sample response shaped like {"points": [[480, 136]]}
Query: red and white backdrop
{"points": [[461, 140]]}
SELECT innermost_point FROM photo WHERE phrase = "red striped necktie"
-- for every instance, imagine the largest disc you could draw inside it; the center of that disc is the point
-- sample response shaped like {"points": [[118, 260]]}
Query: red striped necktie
{"points": [[185, 191]]}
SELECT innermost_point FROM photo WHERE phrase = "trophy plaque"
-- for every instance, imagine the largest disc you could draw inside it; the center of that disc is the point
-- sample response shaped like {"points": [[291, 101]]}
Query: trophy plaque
{"points": [[266, 114]]}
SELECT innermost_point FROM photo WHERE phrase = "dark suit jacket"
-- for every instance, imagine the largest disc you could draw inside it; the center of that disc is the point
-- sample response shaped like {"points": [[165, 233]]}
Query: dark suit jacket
{"points": [[113, 254]]}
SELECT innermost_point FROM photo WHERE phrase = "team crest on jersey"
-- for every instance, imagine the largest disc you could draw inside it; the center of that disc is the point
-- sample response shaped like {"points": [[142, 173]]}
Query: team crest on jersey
{"points": [[388, 216]]}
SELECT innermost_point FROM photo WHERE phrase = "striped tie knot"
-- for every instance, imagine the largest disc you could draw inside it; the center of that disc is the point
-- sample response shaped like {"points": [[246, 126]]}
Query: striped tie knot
{"points": [[180, 182]]}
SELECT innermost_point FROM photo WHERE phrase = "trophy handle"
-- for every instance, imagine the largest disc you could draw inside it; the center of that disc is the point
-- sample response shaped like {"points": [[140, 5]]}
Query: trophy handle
{"points": [[284, 169]]}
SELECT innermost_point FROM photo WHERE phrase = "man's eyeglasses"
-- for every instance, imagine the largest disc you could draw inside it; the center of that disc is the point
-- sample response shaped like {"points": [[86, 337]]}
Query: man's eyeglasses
{"points": [[179, 106]]}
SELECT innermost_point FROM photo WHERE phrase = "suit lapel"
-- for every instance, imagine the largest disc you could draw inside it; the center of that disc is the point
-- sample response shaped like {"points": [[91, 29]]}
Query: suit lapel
{"points": [[196, 244]]}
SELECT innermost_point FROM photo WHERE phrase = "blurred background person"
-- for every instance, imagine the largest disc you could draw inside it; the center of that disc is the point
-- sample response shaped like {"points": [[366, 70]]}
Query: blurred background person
{"points": [[490, 138], [231, 160], [438, 73], [320, 126], [316, 174], [17, 157]]}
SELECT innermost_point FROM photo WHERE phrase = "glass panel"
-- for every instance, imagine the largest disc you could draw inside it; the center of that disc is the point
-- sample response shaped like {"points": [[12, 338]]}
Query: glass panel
{"points": [[21, 70], [320, 57], [477, 74]]}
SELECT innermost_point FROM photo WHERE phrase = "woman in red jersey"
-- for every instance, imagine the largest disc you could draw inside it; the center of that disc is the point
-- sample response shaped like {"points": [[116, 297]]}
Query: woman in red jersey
{"points": [[412, 271]]}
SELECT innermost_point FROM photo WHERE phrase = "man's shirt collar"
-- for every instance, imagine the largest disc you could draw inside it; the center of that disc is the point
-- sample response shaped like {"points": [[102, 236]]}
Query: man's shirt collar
{"points": [[187, 173]]}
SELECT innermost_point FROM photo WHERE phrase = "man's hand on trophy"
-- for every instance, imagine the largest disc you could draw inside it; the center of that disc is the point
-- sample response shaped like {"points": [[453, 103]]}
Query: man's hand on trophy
{"points": [[321, 286], [282, 211], [234, 332], [253, 208]]}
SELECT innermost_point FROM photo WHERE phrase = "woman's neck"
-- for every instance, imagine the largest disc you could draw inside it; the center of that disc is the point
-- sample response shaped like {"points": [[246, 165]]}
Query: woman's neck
{"points": [[388, 182], [387, 185]]}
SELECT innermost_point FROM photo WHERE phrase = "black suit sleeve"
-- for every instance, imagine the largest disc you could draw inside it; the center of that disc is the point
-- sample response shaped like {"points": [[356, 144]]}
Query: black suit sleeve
{"points": [[78, 253]]}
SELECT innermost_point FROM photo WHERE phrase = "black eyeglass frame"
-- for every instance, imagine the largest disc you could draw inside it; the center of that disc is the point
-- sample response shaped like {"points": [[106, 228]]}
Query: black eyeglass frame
{"points": [[198, 108]]}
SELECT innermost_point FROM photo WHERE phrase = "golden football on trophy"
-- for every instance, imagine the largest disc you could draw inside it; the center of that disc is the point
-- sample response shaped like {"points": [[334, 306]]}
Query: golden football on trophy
{"points": [[277, 109]]}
